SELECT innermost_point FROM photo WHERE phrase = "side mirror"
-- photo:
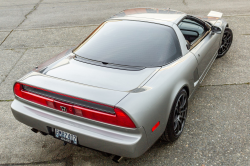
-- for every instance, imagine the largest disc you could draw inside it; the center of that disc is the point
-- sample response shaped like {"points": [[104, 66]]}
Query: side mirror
{"points": [[215, 29]]}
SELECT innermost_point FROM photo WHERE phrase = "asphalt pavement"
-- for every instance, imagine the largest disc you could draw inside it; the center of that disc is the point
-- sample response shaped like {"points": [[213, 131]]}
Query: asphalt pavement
{"points": [[217, 128]]}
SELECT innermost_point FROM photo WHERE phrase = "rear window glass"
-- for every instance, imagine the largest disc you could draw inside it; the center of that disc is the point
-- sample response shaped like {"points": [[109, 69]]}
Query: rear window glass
{"points": [[131, 43]]}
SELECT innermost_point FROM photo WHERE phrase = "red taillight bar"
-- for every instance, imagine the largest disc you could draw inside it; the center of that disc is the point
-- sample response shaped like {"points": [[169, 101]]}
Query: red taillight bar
{"points": [[119, 118]]}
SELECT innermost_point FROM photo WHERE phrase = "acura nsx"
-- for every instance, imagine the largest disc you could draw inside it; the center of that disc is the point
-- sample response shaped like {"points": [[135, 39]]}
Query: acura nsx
{"points": [[127, 84]]}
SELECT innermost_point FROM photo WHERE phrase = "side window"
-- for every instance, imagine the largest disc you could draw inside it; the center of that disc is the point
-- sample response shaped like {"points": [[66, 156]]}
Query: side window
{"points": [[191, 29]]}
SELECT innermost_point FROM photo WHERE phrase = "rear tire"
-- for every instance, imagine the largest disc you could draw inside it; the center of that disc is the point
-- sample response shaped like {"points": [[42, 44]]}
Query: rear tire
{"points": [[226, 42], [177, 117]]}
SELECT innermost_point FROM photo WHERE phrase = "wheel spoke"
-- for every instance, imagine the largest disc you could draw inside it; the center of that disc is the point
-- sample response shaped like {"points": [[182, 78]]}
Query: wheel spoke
{"points": [[180, 113], [175, 125], [176, 119], [224, 37], [222, 48], [183, 110], [183, 102], [178, 127], [182, 117], [177, 105]]}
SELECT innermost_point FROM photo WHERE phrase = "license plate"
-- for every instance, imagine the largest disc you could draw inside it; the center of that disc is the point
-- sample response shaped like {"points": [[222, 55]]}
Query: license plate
{"points": [[65, 136]]}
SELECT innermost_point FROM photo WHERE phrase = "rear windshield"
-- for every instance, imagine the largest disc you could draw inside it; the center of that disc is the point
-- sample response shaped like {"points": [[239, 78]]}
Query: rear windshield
{"points": [[131, 43]]}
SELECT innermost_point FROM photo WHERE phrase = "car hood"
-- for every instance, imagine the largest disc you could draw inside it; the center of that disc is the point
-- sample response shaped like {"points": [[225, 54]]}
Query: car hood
{"points": [[98, 76]]}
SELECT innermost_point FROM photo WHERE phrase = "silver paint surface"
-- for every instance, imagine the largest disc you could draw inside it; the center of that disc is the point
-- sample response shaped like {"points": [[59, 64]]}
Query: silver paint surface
{"points": [[102, 77]]}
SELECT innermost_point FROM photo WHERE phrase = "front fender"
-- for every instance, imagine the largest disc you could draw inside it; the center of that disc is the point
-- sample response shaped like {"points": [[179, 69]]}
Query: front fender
{"points": [[222, 24]]}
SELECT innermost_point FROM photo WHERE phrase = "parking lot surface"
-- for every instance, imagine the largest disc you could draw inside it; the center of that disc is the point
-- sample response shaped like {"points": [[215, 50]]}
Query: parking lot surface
{"points": [[217, 128]]}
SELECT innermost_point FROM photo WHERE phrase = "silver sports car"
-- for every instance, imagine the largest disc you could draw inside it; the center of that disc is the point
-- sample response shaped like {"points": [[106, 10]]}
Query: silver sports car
{"points": [[127, 84]]}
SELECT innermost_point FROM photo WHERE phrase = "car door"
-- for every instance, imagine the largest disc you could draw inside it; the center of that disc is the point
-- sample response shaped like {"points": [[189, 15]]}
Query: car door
{"points": [[204, 44], [205, 52]]}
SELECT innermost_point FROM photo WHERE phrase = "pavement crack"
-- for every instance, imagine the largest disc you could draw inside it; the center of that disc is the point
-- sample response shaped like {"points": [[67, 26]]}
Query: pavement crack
{"points": [[6, 37], [58, 27], [26, 15], [27, 48], [237, 15], [13, 67], [6, 100], [184, 2], [45, 47], [61, 2], [67, 160], [246, 83]]}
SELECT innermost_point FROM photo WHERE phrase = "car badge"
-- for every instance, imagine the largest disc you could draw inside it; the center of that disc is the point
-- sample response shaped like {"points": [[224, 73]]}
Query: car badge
{"points": [[64, 109]]}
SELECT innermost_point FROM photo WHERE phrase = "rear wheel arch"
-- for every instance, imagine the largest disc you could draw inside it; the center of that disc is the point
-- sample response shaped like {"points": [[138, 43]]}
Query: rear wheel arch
{"points": [[186, 88], [168, 135], [179, 89]]}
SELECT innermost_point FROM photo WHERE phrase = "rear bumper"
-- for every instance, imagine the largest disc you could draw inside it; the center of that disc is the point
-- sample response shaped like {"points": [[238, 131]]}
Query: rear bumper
{"points": [[115, 140]]}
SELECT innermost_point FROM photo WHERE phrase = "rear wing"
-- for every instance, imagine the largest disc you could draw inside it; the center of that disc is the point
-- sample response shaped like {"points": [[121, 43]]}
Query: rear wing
{"points": [[215, 14]]}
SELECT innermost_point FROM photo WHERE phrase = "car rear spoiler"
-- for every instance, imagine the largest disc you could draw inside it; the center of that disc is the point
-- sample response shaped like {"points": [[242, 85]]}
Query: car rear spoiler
{"points": [[215, 14]]}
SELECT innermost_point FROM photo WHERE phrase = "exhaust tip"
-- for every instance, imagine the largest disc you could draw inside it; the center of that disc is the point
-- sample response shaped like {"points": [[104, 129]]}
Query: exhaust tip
{"points": [[34, 130], [117, 159], [43, 133]]}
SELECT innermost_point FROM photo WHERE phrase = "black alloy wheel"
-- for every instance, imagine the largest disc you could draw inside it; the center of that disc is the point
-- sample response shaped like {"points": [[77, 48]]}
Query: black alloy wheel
{"points": [[226, 42], [177, 117], [180, 114]]}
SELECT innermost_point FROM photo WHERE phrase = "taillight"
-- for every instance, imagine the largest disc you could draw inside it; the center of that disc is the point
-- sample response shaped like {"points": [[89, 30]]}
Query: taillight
{"points": [[17, 89], [119, 118], [123, 119]]}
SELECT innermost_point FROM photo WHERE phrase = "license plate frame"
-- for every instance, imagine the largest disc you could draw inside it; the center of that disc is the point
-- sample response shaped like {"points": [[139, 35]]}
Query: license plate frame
{"points": [[66, 136]]}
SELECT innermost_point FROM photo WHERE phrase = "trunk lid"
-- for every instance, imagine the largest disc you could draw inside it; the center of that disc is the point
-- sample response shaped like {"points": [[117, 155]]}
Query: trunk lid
{"points": [[99, 76]]}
